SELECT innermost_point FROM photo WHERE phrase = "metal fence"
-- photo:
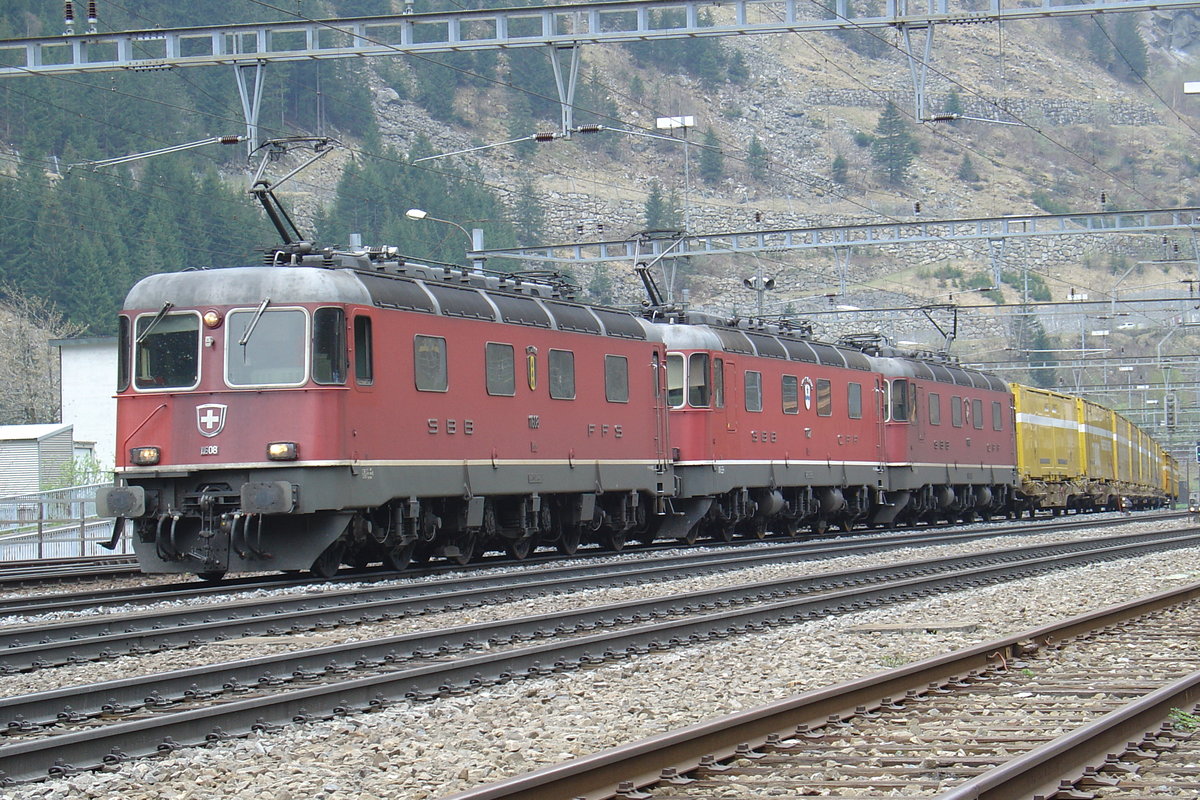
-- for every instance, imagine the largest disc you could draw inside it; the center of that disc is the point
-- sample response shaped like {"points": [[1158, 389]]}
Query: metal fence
{"points": [[61, 523]]}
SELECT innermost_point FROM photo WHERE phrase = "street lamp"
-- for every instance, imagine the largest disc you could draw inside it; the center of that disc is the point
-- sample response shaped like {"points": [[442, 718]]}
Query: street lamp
{"points": [[475, 237]]}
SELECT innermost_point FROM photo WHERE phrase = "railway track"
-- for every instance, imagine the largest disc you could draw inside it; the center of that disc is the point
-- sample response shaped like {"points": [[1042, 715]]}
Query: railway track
{"points": [[80, 726], [1061, 711], [89, 599], [106, 636]]}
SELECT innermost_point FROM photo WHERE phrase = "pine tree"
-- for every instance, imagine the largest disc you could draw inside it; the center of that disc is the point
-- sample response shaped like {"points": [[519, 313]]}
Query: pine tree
{"points": [[966, 171], [894, 147], [840, 169], [756, 158], [712, 162], [1131, 62], [658, 213]]}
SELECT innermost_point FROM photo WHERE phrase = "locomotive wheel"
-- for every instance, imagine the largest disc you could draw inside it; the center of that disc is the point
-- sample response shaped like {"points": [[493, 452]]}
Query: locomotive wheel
{"points": [[724, 533], [615, 541], [691, 537], [399, 557], [758, 530], [520, 549], [326, 565], [211, 576], [466, 548], [568, 541], [819, 526]]}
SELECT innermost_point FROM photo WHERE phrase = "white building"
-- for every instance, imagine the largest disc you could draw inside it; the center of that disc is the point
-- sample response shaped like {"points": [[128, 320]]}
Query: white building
{"points": [[34, 457], [88, 367]]}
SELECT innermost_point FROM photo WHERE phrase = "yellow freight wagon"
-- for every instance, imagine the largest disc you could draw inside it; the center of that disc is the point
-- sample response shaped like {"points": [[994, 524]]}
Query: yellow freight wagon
{"points": [[1050, 452], [1096, 434]]}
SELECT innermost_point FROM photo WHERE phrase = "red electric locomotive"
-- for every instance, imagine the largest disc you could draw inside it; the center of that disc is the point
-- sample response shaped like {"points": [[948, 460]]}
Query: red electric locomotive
{"points": [[770, 429], [304, 416]]}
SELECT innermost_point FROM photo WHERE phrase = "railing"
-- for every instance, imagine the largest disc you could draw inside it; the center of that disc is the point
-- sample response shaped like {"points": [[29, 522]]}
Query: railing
{"points": [[61, 523]]}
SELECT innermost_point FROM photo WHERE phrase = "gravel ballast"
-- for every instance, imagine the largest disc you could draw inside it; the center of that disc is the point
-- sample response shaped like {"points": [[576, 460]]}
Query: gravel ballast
{"points": [[433, 749]]}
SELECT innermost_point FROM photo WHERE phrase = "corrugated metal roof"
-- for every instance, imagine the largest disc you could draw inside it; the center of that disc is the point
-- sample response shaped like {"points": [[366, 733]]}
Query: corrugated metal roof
{"points": [[14, 433]]}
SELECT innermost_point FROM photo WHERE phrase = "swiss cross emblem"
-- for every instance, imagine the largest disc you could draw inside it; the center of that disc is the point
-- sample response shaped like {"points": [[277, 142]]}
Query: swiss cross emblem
{"points": [[210, 418]]}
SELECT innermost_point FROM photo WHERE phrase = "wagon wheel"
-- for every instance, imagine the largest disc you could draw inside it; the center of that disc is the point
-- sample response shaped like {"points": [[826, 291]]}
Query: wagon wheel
{"points": [[466, 543], [819, 526], [400, 556], [211, 576], [519, 549], [724, 533], [615, 541], [326, 565], [568, 540], [692, 536]]}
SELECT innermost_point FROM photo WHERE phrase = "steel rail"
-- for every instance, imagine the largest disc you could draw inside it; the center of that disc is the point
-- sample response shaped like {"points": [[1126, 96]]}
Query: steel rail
{"points": [[642, 763], [159, 629], [29, 760], [825, 547]]}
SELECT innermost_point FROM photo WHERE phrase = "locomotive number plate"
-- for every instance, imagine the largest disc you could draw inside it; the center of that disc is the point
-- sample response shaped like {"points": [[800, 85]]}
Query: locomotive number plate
{"points": [[210, 450]]}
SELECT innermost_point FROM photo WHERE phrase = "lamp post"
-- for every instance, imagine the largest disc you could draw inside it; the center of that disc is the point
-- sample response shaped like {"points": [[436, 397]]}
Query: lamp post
{"points": [[474, 236]]}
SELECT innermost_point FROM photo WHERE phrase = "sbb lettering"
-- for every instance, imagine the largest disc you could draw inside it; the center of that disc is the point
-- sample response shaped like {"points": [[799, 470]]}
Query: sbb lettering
{"points": [[450, 426], [764, 437]]}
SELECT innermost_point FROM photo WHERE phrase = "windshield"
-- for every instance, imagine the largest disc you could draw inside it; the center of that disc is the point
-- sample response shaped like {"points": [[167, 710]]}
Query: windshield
{"points": [[273, 355], [167, 352]]}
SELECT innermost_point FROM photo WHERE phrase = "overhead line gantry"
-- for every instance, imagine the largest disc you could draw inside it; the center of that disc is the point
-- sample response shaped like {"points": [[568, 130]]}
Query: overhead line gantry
{"points": [[562, 28]]}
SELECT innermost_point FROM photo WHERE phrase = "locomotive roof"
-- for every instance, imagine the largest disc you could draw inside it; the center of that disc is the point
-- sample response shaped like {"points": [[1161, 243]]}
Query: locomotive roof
{"points": [[242, 285], [790, 348], [300, 284]]}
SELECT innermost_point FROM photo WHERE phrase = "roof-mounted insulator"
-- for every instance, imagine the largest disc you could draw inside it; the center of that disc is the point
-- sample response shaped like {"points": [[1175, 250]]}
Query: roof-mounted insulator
{"points": [[69, 16], [92, 16], [545, 137]]}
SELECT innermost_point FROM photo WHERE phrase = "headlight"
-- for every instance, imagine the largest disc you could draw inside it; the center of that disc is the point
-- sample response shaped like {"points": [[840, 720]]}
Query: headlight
{"points": [[211, 318], [282, 451], [145, 456]]}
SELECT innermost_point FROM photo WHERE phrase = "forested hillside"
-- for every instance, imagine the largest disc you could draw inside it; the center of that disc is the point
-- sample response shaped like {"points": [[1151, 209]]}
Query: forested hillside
{"points": [[790, 130]]}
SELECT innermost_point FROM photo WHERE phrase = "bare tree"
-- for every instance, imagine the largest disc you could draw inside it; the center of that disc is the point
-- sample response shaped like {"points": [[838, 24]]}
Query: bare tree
{"points": [[29, 376]]}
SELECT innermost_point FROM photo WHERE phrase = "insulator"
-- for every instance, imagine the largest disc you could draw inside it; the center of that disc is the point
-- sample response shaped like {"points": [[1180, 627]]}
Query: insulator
{"points": [[68, 12], [1104, 197], [230, 139], [917, 207], [589, 128], [545, 137], [92, 12]]}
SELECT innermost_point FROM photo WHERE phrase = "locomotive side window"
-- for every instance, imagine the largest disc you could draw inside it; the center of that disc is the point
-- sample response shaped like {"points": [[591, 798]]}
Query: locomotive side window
{"points": [[168, 351], [698, 380], [997, 416], [329, 346], [616, 379], [824, 398], [501, 369], [675, 380], [854, 400], [791, 395], [364, 361], [718, 383], [935, 408], [753, 391], [429, 363], [266, 347], [956, 411], [899, 407], [977, 414], [122, 353], [562, 374]]}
